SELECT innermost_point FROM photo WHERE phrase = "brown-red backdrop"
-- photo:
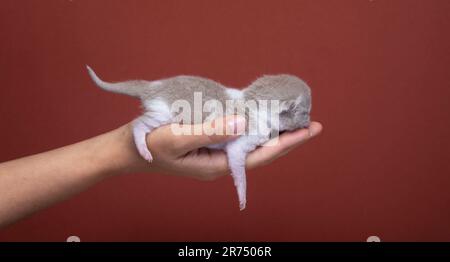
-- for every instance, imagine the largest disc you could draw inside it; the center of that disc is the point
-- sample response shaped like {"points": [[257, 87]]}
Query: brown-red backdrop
{"points": [[379, 71]]}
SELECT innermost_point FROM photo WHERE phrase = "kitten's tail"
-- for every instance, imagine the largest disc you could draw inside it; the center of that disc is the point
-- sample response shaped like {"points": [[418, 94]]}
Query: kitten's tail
{"points": [[134, 88]]}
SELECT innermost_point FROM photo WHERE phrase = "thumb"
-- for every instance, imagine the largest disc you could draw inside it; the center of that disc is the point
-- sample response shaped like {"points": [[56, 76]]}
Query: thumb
{"points": [[216, 131]]}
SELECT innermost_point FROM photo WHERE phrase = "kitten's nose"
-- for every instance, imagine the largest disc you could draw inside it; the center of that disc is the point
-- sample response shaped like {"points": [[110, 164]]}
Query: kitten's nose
{"points": [[307, 122]]}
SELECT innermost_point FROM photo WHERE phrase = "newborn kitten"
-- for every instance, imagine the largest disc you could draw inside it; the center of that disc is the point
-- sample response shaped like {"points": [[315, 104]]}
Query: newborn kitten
{"points": [[293, 95]]}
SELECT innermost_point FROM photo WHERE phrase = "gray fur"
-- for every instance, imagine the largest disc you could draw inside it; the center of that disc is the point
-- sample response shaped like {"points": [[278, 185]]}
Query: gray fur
{"points": [[293, 94]]}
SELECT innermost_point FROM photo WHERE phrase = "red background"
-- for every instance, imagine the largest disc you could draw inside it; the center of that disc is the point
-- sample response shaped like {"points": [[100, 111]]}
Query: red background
{"points": [[379, 71]]}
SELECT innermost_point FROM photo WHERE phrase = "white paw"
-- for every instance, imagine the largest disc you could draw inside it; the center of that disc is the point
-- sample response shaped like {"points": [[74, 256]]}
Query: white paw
{"points": [[146, 154], [148, 157], [242, 205]]}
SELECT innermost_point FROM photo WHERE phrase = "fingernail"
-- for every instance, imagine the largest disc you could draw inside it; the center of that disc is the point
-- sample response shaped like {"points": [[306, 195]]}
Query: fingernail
{"points": [[236, 125], [314, 130]]}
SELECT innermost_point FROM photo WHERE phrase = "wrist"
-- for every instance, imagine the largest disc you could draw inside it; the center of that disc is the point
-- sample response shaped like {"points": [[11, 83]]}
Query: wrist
{"points": [[121, 155]]}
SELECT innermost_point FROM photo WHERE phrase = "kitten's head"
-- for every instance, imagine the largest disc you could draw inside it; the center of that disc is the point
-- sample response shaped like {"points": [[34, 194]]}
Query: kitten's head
{"points": [[293, 95], [294, 113], [294, 100]]}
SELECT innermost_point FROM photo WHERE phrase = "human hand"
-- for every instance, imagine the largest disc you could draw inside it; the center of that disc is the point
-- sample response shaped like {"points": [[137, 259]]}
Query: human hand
{"points": [[24, 192], [186, 155]]}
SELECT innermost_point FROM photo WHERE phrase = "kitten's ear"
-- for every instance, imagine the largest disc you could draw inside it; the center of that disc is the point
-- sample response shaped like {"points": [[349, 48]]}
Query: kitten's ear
{"points": [[290, 105], [287, 106]]}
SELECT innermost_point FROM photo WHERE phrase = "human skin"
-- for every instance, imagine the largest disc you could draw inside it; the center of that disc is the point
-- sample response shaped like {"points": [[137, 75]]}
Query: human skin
{"points": [[32, 183]]}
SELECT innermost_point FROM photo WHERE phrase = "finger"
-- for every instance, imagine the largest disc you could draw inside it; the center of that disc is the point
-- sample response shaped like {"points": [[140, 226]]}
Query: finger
{"points": [[215, 132], [286, 142]]}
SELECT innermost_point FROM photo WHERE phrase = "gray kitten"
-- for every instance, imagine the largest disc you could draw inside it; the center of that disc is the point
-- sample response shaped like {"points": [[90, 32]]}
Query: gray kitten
{"points": [[292, 95]]}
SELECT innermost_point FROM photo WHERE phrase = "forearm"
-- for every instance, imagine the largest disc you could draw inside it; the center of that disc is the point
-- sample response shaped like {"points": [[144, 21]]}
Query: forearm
{"points": [[35, 182]]}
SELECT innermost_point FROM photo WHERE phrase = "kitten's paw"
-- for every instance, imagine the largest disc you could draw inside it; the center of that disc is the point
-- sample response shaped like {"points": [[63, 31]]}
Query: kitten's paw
{"points": [[145, 154], [148, 157], [242, 205]]}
